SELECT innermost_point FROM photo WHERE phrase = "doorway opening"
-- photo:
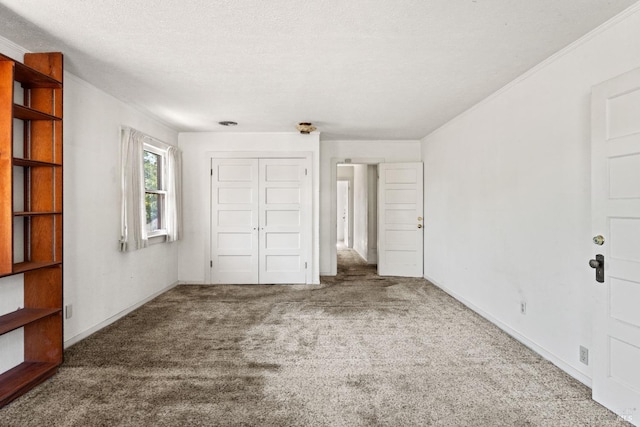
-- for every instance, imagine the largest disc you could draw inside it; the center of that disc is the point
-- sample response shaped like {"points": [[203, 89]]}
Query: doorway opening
{"points": [[356, 214], [344, 212], [391, 234]]}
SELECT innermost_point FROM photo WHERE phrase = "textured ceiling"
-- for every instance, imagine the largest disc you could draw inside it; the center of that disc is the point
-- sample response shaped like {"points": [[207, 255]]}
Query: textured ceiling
{"points": [[359, 69]]}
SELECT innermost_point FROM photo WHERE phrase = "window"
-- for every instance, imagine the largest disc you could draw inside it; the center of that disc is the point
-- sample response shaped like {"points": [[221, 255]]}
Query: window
{"points": [[154, 190], [151, 207]]}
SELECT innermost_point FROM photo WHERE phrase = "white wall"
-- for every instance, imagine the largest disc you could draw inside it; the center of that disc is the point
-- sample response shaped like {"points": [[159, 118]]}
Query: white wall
{"points": [[507, 198], [360, 211], [99, 281], [196, 149], [333, 152]]}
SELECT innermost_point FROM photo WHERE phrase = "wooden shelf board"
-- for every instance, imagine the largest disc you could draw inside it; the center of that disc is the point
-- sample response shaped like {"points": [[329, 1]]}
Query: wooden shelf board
{"points": [[33, 163], [24, 316], [23, 378], [36, 213], [25, 113], [23, 267], [31, 78]]}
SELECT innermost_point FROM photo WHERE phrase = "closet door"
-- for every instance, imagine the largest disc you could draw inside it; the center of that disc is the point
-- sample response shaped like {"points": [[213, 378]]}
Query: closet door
{"points": [[234, 217], [285, 207]]}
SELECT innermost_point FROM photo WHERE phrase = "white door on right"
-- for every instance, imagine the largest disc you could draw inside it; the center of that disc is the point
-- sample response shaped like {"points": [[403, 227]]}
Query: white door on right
{"points": [[400, 222], [615, 177], [285, 221]]}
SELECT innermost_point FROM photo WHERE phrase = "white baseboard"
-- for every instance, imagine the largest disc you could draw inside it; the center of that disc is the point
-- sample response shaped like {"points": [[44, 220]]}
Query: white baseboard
{"points": [[77, 338], [192, 282], [584, 379]]}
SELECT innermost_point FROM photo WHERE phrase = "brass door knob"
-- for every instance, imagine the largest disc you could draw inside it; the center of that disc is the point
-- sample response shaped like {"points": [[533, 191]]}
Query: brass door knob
{"points": [[419, 225]]}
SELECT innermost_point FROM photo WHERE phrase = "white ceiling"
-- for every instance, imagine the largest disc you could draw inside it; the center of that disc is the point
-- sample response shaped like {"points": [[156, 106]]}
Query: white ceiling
{"points": [[357, 69]]}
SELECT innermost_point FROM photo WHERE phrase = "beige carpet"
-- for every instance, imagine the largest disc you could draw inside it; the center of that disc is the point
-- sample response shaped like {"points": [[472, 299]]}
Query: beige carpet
{"points": [[357, 351]]}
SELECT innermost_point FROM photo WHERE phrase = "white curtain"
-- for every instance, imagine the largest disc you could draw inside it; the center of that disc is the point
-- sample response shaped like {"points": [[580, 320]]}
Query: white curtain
{"points": [[133, 232], [174, 193]]}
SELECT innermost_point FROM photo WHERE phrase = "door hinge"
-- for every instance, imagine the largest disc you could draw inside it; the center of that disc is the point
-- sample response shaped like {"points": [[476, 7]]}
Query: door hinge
{"points": [[211, 171], [305, 171], [305, 265], [211, 264]]}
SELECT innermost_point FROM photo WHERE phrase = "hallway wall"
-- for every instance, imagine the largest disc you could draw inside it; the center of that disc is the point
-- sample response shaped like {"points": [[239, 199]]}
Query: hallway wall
{"points": [[360, 210]]}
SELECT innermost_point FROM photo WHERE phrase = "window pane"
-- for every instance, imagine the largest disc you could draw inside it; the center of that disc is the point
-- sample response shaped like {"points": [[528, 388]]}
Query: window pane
{"points": [[152, 171], [153, 203]]}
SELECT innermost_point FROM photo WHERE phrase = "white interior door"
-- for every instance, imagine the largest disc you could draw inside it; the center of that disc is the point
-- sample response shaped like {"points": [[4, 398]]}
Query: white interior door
{"points": [[285, 206], [234, 218], [400, 207], [616, 217]]}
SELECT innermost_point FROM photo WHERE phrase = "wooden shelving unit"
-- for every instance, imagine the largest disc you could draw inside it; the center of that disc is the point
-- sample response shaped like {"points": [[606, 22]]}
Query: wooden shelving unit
{"points": [[31, 193]]}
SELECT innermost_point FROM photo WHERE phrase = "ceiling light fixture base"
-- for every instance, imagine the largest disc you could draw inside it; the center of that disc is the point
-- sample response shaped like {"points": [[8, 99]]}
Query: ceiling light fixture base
{"points": [[305, 127]]}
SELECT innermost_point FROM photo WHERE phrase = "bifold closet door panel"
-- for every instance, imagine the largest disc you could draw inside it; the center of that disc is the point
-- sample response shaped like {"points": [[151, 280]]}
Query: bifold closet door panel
{"points": [[284, 221], [234, 217]]}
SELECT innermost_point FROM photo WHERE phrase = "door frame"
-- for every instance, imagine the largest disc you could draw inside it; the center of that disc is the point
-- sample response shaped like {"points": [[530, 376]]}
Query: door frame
{"points": [[307, 155], [333, 183]]}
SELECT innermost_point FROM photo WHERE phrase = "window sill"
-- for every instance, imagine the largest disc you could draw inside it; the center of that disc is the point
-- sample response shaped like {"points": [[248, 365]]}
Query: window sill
{"points": [[157, 238]]}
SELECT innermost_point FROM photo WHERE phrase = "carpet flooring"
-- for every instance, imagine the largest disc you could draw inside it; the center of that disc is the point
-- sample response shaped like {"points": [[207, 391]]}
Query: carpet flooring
{"points": [[359, 350]]}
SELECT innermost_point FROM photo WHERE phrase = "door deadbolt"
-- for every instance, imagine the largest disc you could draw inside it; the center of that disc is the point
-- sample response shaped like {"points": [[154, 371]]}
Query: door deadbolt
{"points": [[598, 240], [419, 218], [598, 265]]}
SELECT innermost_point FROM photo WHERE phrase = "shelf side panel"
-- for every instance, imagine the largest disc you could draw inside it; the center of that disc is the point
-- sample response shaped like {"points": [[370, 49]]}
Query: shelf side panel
{"points": [[46, 137], [6, 170], [58, 198], [43, 340], [41, 197], [43, 288], [41, 245], [49, 63], [41, 141]]}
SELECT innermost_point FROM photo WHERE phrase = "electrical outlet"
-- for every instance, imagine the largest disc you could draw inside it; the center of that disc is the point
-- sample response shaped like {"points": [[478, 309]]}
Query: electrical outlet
{"points": [[584, 355], [523, 307], [68, 311]]}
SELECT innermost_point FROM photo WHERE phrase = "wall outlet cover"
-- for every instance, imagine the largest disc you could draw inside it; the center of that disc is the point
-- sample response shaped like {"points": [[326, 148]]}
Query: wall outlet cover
{"points": [[584, 355]]}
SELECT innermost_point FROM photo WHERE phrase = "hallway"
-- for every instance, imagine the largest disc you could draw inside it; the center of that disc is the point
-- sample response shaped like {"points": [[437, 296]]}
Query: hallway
{"points": [[351, 264]]}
